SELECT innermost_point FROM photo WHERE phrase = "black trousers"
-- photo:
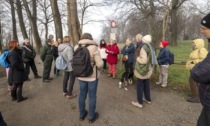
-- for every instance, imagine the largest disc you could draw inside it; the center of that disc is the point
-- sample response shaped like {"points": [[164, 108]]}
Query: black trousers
{"points": [[104, 67], [66, 77], [204, 118], [33, 67], [128, 67]]}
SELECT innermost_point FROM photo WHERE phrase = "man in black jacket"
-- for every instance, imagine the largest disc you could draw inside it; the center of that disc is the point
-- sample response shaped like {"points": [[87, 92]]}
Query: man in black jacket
{"points": [[28, 56]]}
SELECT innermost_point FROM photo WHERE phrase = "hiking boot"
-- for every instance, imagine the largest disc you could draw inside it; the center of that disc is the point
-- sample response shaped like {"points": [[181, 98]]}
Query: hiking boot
{"points": [[109, 75], [49, 78], [46, 80], [22, 99], [163, 85], [137, 104], [157, 83], [193, 99], [37, 76], [94, 118], [81, 118]]}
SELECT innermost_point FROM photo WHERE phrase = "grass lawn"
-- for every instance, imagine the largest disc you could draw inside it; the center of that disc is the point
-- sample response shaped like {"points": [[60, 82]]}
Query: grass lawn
{"points": [[178, 75]]}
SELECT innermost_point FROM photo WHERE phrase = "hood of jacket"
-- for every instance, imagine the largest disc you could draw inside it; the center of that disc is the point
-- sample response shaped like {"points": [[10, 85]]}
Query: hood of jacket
{"points": [[87, 41], [62, 46], [199, 43]]}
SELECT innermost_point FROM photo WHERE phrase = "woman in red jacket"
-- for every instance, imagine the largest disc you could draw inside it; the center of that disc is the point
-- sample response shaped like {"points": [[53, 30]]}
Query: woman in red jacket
{"points": [[112, 50]]}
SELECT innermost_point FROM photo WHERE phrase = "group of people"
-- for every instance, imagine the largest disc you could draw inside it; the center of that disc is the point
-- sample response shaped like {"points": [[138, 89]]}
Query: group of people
{"points": [[138, 60]]}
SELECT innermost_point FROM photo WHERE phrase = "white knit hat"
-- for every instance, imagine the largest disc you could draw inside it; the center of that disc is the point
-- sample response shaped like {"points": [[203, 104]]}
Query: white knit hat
{"points": [[147, 39]]}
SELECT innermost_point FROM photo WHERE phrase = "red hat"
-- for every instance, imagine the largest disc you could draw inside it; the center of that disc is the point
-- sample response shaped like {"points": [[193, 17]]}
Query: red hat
{"points": [[164, 43]]}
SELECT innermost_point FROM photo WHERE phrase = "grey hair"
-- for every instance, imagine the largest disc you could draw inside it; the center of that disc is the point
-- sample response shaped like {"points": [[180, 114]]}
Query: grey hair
{"points": [[139, 36]]}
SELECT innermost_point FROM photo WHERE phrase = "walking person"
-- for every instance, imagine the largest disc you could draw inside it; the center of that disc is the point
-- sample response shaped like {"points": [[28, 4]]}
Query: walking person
{"points": [[198, 53], [200, 73], [112, 50], [89, 84], [66, 51], [17, 74], [143, 70], [163, 62], [102, 49], [46, 56], [28, 55]]}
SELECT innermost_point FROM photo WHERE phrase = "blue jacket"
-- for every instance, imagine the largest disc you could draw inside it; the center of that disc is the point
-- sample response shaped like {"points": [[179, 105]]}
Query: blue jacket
{"points": [[200, 73], [129, 51], [163, 56]]}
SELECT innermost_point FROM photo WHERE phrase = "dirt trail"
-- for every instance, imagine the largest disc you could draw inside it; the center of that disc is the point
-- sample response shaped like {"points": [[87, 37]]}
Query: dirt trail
{"points": [[46, 106]]}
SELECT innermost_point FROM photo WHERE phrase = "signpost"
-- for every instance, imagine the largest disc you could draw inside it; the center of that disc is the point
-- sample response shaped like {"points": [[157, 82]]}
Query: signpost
{"points": [[113, 25]]}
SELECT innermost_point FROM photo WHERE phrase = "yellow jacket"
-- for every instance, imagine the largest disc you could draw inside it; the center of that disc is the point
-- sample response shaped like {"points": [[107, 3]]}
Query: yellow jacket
{"points": [[197, 55]]}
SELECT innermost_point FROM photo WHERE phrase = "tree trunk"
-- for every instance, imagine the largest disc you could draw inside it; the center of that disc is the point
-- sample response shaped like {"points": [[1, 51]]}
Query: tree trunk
{"points": [[32, 18], [173, 27], [1, 44], [73, 21], [21, 22], [46, 29], [14, 28], [57, 19]]}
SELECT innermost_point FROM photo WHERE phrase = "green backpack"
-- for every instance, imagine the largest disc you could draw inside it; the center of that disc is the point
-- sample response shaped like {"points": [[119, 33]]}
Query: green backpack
{"points": [[143, 69]]}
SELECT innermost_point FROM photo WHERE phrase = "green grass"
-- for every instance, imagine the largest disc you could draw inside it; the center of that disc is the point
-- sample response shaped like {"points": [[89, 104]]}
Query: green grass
{"points": [[178, 75]]}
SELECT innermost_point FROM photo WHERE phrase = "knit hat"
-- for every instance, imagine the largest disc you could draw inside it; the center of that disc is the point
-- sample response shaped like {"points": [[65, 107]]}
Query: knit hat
{"points": [[206, 21], [164, 43], [147, 39]]}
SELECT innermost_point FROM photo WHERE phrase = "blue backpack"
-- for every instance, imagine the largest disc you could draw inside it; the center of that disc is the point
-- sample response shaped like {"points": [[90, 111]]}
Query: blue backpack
{"points": [[60, 63], [3, 60]]}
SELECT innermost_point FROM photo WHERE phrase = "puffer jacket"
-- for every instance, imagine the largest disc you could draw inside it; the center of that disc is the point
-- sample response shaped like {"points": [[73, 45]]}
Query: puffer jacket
{"points": [[95, 59], [163, 56], [197, 55], [129, 51], [112, 54], [66, 51], [143, 59]]}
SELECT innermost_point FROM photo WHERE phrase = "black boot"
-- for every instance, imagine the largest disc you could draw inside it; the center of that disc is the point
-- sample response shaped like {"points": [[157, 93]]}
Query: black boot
{"points": [[13, 94], [19, 95]]}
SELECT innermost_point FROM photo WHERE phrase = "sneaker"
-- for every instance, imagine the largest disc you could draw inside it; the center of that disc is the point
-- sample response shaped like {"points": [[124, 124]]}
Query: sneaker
{"points": [[120, 84], [71, 96], [45, 80], [148, 102], [81, 118], [137, 104], [163, 85], [157, 83], [94, 118]]}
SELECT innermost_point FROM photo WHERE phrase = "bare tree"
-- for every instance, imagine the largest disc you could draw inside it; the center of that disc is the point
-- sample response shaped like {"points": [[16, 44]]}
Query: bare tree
{"points": [[20, 17], [57, 19], [73, 21], [44, 7], [32, 17], [14, 27]]}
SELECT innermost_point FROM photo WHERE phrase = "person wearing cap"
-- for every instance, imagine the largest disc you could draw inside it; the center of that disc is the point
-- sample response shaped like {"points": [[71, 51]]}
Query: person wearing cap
{"points": [[143, 82], [46, 56], [201, 74], [163, 62], [198, 53]]}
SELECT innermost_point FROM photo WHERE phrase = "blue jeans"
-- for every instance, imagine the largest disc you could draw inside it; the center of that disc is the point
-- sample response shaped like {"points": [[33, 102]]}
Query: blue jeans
{"points": [[86, 87], [143, 86]]}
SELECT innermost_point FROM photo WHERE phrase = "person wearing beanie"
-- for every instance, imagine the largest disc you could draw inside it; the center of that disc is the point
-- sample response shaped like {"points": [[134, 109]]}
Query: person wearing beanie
{"points": [[46, 56], [163, 62], [142, 61], [200, 73], [198, 53]]}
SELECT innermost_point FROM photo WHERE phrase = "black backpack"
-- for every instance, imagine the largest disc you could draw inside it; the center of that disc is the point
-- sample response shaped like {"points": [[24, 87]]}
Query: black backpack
{"points": [[171, 58], [81, 62]]}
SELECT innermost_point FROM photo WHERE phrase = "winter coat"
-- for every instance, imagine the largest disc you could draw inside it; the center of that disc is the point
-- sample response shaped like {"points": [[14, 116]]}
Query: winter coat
{"points": [[103, 52], [95, 59], [66, 51], [46, 54], [197, 55], [55, 51], [143, 59], [129, 51], [28, 53], [163, 56], [17, 72], [112, 54]]}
